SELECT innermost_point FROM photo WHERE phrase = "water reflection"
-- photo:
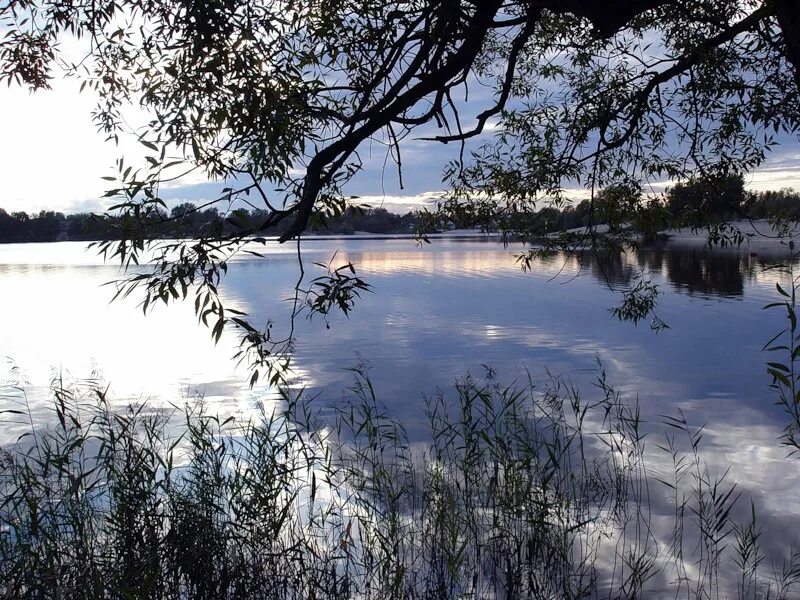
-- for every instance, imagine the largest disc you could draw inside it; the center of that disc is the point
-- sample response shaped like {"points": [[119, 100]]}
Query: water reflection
{"points": [[437, 312], [451, 262], [692, 270], [429, 301]]}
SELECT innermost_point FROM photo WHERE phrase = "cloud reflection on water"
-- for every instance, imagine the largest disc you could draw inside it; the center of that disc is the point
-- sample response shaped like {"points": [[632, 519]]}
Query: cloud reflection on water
{"points": [[437, 312]]}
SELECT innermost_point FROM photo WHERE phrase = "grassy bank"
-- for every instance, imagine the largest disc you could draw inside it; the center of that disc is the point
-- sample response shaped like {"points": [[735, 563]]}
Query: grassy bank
{"points": [[527, 491]]}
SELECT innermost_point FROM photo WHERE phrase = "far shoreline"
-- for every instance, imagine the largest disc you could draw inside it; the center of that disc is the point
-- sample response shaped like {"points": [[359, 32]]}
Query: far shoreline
{"points": [[760, 237]]}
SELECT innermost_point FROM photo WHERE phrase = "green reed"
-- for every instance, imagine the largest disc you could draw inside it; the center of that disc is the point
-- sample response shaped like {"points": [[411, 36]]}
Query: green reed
{"points": [[531, 490]]}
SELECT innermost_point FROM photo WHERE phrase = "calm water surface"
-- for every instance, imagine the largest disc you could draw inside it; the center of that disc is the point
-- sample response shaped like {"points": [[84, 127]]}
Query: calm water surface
{"points": [[437, 313]]}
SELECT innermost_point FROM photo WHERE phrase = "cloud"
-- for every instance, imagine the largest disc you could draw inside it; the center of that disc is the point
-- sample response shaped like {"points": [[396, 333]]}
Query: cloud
{"points": [[53, 158], [50, 156], [398, 203]]}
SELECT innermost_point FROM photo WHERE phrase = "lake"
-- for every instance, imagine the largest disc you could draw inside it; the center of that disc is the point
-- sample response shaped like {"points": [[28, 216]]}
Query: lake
{"points": [[436, 312]]}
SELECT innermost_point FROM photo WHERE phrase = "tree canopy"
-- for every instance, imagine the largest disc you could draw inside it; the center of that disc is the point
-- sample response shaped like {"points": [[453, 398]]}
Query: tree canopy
{"points": [[278, 99]]}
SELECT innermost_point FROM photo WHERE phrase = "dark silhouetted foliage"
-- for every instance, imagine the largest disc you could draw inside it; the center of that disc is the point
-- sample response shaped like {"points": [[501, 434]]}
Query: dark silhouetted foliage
{"points": [[185, 221], [696, 201]]}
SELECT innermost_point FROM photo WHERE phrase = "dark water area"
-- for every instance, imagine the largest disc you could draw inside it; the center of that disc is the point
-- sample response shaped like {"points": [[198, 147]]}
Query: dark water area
{"points": [[436, 313]]}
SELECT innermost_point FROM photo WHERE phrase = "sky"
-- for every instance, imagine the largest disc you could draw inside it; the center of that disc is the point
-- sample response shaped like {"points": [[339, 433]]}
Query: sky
{"points": [[52, 157]]}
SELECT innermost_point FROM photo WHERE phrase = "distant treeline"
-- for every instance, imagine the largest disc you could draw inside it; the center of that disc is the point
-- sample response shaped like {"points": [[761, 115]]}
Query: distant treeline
{"points": [[185, 220], [688, 203]]}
